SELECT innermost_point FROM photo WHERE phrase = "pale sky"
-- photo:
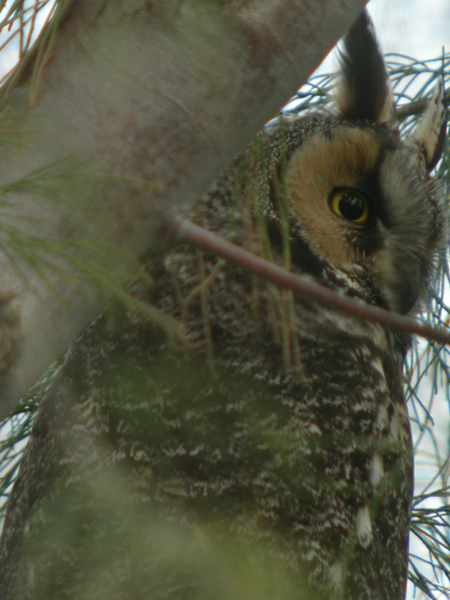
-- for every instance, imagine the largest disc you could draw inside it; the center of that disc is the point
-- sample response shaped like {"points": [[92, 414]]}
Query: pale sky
{"points": [[416, 28]]}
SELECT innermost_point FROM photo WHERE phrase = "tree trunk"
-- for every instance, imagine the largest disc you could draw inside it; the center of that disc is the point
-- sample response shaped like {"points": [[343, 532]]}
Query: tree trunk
{"points": [[138, 107]]}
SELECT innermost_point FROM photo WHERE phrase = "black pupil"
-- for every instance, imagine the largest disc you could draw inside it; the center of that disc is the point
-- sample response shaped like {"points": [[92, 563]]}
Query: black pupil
{"points": [[351, 206]]}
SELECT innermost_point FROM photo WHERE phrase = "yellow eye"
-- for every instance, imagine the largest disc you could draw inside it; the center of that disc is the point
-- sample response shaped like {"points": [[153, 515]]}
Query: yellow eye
{"points": [[351, 205]]}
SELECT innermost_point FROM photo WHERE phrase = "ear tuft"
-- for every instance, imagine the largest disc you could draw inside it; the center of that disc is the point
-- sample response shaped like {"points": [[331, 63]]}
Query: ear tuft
{"points": [[430, 132], [364, 91]]}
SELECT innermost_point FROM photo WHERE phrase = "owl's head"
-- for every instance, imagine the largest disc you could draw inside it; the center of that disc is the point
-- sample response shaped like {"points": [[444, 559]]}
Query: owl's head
{"points": [[362, 198]]}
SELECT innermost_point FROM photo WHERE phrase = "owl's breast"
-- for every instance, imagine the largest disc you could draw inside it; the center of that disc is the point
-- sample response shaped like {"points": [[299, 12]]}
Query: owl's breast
{"points": [[300, 430]]}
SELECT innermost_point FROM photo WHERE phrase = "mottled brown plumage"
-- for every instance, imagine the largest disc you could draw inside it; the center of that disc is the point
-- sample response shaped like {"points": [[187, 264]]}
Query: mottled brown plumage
{"points": [[269, 455]]}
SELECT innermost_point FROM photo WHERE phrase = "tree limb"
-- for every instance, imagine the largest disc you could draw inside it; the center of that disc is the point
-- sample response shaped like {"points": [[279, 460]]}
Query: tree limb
{"points": [[135, 91], [190, 232]]}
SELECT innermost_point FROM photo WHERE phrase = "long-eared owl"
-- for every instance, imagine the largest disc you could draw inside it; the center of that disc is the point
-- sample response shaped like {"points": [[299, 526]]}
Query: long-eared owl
{"points": [[264, 451]]}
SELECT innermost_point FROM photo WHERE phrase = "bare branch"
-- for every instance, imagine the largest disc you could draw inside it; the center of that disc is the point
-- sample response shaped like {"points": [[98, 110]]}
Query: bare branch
{"points": [[417, 107], [189, 232]]}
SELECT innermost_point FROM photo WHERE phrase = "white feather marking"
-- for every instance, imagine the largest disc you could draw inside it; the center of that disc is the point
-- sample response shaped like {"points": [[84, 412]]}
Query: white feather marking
{"points": [[396, 429], [427, 132], [378, 366], [394, 426], [377, 470], [364, 526], [382, 418], [314, 429], [336, 573]]}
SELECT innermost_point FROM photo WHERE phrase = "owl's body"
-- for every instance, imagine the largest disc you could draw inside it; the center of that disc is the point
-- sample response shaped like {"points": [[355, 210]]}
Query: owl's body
{"points": [[269, 455]]}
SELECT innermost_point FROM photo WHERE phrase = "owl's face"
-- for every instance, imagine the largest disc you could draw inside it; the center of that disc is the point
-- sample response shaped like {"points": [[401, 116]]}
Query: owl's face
{"points": [[362, 197]]}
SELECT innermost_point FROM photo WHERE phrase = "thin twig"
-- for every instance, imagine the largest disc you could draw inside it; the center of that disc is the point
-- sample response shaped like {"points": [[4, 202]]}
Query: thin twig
{"points": [[417, 107], [187, 231]]}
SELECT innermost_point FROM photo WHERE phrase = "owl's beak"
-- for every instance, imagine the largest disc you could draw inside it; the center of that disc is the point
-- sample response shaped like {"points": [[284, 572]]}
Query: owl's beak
{"points": [[406, 293]]}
